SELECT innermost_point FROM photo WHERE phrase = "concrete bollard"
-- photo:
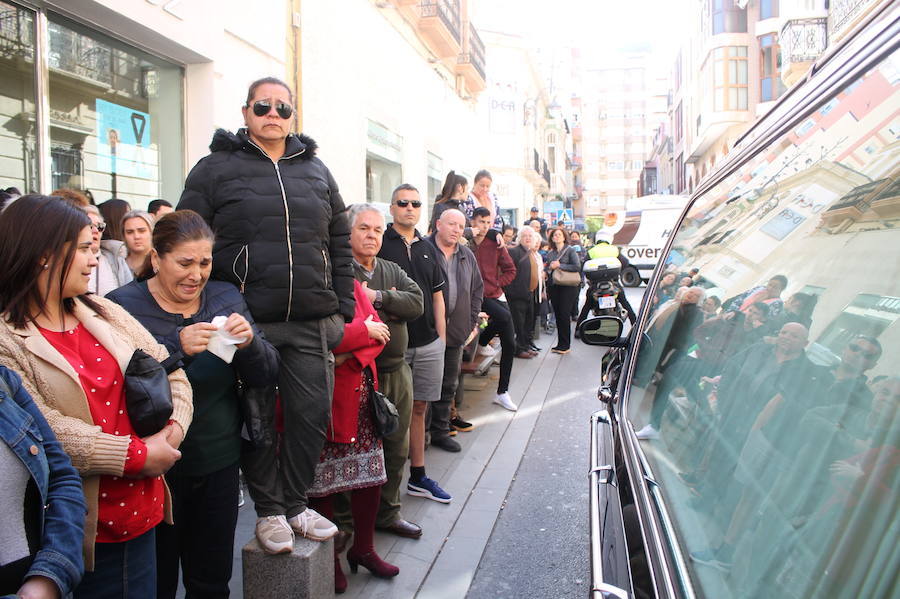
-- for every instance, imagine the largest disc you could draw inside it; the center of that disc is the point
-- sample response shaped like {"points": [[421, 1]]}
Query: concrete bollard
{"points": [[306, 572]]}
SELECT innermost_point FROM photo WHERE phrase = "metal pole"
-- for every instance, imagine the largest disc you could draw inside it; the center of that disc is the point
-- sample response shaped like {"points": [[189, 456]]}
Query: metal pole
{"points": [[42, 103]]}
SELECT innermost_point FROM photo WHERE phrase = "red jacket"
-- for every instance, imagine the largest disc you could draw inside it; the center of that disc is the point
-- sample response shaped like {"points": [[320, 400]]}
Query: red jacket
{"points": [[497, 268], [348, 377]]}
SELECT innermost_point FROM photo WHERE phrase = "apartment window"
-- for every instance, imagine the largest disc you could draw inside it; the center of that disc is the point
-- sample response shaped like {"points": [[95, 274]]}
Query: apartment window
{"points": [[615, 165], [768, 9], [770, 85], [727, 17], [678, 127], [730, 78], [679, 174], [677, 74]]}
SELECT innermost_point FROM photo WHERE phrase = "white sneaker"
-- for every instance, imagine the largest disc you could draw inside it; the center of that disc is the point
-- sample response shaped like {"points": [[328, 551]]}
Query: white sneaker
{"points": [[274, 534], [503, 399], [312, 525], [486, 350], [648, 432]]}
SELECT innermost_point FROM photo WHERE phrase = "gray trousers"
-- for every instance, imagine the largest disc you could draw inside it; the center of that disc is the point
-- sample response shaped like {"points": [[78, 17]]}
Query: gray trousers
{"points": [[439, 425], [278, 476], [398, 386]]}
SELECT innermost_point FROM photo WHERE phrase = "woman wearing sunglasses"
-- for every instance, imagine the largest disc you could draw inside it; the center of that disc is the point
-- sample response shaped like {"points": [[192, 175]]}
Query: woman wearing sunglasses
{"points": [[282, 237]]}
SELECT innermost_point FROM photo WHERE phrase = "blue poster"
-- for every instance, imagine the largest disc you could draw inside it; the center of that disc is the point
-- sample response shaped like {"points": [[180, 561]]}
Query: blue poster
{"points": [[123, 141]]}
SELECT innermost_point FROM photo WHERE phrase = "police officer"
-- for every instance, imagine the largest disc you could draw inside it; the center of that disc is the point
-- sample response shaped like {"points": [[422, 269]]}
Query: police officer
{"points": [[603, 248]]}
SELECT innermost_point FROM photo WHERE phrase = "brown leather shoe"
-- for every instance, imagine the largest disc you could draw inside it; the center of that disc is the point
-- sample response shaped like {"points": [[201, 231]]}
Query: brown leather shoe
{"points": [[524, 355], [402, 528]]}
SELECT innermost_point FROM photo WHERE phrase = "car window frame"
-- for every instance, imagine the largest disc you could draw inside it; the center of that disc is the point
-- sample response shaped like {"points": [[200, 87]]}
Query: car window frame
{"points": [[862, 50]]}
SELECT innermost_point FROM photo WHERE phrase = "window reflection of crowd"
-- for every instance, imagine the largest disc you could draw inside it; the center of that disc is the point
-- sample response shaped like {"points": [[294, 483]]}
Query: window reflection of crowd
{"points": [[783, 455]]}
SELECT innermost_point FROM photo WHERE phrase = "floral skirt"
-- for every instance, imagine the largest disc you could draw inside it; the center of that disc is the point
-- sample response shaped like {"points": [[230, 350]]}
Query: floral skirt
{"points": [[348, 466]]}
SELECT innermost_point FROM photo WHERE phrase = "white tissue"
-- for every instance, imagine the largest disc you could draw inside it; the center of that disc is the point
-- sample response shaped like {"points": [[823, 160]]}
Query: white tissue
{"points": [[221, 343]]}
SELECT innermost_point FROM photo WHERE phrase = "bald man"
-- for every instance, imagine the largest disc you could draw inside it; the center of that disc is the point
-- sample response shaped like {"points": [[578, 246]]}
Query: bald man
{"points": [[463, 295]]}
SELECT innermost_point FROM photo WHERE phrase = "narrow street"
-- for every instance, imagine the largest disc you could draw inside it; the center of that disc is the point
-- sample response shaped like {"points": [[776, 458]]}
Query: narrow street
{"points": [[517, 525]]}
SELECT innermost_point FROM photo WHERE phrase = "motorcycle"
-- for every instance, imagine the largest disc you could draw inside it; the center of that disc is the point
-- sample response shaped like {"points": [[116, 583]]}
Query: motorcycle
{"points": [[604, 290]]}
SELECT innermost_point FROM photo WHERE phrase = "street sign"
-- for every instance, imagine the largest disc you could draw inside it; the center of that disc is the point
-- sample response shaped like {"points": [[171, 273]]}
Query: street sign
{"points": [[567, 215]]}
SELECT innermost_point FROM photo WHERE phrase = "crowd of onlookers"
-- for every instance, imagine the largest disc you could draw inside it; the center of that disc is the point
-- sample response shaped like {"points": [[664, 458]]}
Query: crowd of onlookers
{"points": [[304, 345]]}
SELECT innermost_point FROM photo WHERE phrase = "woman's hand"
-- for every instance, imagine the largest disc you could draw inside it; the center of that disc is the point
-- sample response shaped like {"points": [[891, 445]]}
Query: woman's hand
{"points": [[160, 455], [554, 265], [341, 358], [195, 338], [237, 326], [38, 587], [378, 331], [174, 434]]}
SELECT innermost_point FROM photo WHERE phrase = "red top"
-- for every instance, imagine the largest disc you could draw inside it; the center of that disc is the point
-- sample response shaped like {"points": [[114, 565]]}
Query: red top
{"points": [[128, 507], [496, 266]]}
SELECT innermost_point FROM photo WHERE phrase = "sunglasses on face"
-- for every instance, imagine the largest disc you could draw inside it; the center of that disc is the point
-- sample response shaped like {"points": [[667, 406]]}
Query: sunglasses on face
{"points": [[405, 203], [99, 226], [855, 348], [262, 108]]}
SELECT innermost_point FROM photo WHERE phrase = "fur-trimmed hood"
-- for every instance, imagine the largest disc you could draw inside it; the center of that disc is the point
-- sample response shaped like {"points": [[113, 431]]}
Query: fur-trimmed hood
{"points": [[232, 142]]}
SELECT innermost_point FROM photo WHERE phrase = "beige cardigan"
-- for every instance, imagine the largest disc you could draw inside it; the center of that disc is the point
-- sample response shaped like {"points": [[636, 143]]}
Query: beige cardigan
{"points": [[55, 387]]}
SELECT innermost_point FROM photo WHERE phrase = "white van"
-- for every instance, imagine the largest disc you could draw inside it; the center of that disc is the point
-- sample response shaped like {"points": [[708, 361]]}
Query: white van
{"points": [[641, 230]]}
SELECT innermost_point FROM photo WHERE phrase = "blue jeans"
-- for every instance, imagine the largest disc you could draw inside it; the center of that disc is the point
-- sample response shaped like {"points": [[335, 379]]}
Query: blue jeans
{"points": [[122, 570]]}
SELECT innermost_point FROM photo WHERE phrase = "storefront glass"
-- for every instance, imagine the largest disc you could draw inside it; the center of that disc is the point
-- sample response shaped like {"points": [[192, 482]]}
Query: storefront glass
{"points": [[17, 113], [115, 117]]}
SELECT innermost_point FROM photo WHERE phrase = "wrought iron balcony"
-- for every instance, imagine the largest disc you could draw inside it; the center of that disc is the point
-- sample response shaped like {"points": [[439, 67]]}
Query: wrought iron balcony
{"points": [[16, 34], [471, 61], [447, 11], [802, 42], [842, 14]]}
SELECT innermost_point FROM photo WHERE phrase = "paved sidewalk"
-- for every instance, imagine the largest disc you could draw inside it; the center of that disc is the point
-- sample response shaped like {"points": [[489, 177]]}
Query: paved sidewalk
{"points": [[443, 562]]}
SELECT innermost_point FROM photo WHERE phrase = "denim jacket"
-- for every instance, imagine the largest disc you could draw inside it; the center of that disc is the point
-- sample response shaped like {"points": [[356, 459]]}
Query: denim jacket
{"points": [[24, 430]]}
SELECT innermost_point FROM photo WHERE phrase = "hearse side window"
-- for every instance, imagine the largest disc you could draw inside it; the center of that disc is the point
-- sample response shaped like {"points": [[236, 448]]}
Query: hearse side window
{"points": [[769, 414]]}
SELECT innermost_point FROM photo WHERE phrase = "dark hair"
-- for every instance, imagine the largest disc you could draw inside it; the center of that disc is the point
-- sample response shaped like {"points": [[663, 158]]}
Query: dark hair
{"points": [[251, 91], [781, 279], [715, 300], [4, 198], [871, 340], [480, 211], [763, 307], [509, 227], [402, 187], [31, 229], [553, 232], [112, 212], [173, 229], [449, 187], [154, 206], [481, 175], [71, 195]]}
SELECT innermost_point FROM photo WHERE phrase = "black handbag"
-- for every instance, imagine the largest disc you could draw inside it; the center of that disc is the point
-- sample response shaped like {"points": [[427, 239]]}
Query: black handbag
{"points": [[148, 397], [258, 410], [385, 416]]}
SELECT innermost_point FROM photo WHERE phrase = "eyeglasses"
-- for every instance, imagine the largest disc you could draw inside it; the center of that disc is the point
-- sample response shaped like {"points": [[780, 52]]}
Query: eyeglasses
{"points": [[405, 203], [262, 108], [99, 226], [857, 349]]}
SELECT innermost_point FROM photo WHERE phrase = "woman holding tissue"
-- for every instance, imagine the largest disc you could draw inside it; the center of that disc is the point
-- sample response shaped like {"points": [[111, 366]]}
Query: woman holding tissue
{"points": [[204, 322]]}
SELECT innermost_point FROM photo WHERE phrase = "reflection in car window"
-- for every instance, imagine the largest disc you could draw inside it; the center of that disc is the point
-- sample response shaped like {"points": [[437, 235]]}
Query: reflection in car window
{"points": [[769, 413]]}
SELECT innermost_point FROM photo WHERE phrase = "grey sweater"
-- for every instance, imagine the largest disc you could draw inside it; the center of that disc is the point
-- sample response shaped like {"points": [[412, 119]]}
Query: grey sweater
{"points": [[401, 301]]}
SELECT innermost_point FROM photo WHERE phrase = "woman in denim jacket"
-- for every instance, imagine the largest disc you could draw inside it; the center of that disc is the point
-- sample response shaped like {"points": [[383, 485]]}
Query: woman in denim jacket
{"points": [[40, 546]]}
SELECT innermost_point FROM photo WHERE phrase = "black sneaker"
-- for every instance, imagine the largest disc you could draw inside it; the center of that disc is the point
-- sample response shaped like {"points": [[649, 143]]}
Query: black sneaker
{"points": [[461, 425]]}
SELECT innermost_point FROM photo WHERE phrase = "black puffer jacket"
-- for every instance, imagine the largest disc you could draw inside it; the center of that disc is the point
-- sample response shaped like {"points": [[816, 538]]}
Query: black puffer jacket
{"points": [[281, 229]]}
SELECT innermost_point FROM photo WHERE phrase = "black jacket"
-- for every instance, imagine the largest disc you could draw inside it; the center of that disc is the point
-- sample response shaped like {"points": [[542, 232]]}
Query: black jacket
{"points": [[420, 263], [518, 289], [281, 228]]}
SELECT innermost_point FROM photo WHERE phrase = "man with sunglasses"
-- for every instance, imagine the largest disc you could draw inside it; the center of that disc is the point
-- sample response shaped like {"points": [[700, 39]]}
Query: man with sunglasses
{"points": [[404, 245], [282, 237]]}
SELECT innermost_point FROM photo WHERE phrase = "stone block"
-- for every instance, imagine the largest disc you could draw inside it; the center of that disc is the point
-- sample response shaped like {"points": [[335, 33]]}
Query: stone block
{"points": [[306, 572]]}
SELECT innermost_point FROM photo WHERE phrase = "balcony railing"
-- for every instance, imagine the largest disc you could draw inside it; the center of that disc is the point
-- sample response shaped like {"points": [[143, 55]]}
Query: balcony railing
{"points": [[844, 12], [447, 11], [476, 46], [16, 34], [803, 40]]}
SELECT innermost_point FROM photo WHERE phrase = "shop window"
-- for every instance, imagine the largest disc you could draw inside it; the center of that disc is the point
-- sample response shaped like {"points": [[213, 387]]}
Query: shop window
{"points": [[730, 78], [115, 117], [17, 116], [382, 177]]}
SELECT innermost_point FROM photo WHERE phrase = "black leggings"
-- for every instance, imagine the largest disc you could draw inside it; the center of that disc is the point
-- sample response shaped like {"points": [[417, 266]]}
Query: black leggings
{"points": [[501, 324], [562, 298]]}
